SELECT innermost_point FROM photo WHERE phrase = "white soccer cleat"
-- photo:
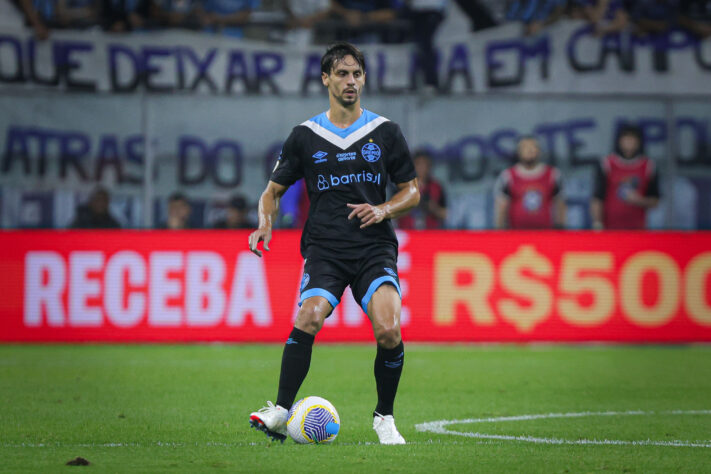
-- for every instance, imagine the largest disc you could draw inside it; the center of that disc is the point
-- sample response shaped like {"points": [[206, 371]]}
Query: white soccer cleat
{"points": [[384, 426], [270, 419]]}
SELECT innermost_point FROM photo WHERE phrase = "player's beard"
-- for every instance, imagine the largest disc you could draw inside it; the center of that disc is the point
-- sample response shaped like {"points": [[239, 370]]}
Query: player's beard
{"points": [[347, 101]]}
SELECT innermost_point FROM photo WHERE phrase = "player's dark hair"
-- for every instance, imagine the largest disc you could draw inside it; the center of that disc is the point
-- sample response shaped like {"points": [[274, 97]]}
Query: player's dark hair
{"points": [[178, 196], [632, 130], [422, 152], [336, 52], [527, 137]]}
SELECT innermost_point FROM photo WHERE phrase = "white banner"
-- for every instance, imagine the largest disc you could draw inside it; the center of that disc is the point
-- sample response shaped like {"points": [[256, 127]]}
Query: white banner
{"points": [[566, 58]]}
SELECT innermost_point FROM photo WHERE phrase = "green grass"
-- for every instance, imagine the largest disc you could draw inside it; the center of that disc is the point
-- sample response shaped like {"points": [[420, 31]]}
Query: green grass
{"points": [[185, 408]]}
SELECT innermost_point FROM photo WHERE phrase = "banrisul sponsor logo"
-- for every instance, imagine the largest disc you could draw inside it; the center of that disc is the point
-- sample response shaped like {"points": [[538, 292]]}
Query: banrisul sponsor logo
{"points": [[320, 157], [331, 181]]}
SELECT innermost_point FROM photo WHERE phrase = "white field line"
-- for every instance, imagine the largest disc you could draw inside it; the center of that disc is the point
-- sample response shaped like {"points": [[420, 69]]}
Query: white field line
{"points": [[439, 427]]}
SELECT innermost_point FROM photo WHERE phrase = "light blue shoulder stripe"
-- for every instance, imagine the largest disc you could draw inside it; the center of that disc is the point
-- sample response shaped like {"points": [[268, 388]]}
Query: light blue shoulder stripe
{"points": [[365, 118], [344, 138]]}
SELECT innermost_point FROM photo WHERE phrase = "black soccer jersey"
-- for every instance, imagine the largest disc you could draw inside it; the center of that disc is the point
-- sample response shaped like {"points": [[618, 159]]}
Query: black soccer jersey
{"points": [[342, 166]]}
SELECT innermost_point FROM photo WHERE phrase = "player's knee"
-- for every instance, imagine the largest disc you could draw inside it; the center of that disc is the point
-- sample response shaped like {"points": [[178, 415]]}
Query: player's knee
{"points": [[388, 334], [389, 337], [312, 315]]}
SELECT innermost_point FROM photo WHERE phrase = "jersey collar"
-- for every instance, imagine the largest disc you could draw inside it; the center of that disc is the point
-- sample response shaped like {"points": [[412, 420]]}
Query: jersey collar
{"points": [[344, 137]]}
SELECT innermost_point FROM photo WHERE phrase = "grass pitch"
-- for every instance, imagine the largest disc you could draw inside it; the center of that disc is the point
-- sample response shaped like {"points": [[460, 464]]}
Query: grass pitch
{"points": [[185, 409]]}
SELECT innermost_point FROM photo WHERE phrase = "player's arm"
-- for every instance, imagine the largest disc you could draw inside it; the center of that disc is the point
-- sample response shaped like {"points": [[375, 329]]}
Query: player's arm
{"points": [[559, 207], [407, 197], [599, 191], [268, 208], [501, 211], [502, 201], [559, 211]]}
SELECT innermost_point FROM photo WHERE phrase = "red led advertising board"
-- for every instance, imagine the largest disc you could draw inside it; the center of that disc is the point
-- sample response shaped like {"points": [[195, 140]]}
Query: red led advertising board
{"points": [[162, 286]]}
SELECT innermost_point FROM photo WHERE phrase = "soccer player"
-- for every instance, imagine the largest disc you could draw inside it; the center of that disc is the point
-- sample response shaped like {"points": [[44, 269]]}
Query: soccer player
{"points": [[626, 184], [345, 156], [529, 195]]}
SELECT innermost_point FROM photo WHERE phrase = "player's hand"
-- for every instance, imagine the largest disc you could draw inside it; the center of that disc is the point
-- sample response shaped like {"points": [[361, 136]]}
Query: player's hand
{"points": [[258, 235], [367, 213], [634, 197]]}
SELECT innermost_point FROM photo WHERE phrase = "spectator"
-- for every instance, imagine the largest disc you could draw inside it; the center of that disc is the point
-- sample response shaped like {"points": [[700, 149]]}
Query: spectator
{"points": [[652, 16], [302, 17], [529, 195], [175, 13], [426, 16], [626, 184], [364, 16], [43, 15], [227, 16], [695, 16], [607, 16], [535, 14], [237, 215], [431, 212], [125, 15], [178, 212], [95, 213], [480, 16]]}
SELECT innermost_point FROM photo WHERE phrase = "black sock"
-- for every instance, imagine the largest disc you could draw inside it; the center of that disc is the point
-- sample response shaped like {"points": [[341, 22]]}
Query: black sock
{"points": [[294, 366], [387, 369]]}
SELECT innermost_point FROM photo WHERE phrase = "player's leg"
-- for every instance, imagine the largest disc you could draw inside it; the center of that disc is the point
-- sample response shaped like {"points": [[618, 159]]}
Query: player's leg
{"points": [[377, 289], [384, 312], [320, 293], [296, 359]]}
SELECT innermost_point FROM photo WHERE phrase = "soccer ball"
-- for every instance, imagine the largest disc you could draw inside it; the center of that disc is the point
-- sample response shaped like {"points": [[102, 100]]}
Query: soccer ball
{"points": [[313, 420]]}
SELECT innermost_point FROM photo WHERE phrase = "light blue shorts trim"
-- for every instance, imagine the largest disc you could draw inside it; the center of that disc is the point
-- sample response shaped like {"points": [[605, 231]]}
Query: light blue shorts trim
{"points": [[319, 292], [373, 288]]}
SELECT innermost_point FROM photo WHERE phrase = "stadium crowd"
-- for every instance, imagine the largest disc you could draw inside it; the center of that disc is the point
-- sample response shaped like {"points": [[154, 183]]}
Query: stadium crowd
{"points": [[323, 21], [617, 190], [528, 195]]}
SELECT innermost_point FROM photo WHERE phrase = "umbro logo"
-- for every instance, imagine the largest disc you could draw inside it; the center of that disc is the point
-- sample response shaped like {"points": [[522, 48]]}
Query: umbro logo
{"points": [[320, 157]]}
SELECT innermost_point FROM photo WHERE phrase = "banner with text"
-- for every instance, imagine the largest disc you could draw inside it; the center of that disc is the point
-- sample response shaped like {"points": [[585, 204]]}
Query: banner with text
{"points": [[566, 58], [457, 286]]}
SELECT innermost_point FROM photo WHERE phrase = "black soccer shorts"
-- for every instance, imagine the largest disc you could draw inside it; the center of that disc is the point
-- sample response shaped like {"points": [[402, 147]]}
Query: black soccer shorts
{"points": [[328, 277]]}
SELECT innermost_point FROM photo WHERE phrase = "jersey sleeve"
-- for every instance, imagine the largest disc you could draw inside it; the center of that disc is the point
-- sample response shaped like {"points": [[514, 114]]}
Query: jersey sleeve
{"points": [[400, 167], [288, 167], [557, 183], [501, 185], [653, 186], [600, 182]]}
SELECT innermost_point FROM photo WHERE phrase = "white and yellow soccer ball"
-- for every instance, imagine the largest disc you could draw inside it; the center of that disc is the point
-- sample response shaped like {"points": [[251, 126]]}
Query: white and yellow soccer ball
{"points": [[313, 420]]}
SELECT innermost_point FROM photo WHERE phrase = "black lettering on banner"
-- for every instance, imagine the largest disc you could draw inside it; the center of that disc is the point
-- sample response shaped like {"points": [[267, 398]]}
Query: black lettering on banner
{"points": [[16, 149], [53, 80], [704, 63], [69, 66], [523, 50], [108, 157], [312, 73], [459, 66], [233, 154], [192, 149], [12, 43], [151, 70], [202, 66], [237, 71], [266, 66], [122, 55], [469, 161], [74, 147]]}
